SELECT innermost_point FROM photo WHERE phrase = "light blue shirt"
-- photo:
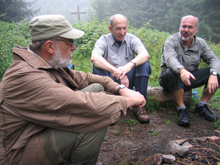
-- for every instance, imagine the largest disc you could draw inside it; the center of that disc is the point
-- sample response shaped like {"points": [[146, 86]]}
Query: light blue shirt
{"points": [[117, 55]]}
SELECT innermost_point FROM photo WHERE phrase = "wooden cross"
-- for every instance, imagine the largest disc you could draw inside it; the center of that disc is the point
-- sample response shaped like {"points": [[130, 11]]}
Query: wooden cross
{"points": [[78, 13]]}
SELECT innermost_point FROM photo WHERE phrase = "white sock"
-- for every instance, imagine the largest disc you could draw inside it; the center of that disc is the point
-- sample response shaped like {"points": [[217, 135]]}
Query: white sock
{"points": [[201, 103], [181, 107]]}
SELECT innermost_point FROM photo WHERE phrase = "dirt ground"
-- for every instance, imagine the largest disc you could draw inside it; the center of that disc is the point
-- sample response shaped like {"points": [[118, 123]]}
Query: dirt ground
{"points": [[129, 142]]}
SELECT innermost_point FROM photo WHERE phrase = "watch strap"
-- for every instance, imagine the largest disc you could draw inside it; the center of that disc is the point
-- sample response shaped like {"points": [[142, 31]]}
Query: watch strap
{"points": [[119, 87], [214, 73], [134, 63]]}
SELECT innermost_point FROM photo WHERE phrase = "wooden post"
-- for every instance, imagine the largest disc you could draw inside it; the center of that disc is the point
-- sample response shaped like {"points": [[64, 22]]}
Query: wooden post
{"points": [[163, 96], [78, 12]]}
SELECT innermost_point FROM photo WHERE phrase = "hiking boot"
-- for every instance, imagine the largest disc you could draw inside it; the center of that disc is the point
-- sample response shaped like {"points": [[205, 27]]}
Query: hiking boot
{"points": [[206, 113], [183, 117], [141, 115]]}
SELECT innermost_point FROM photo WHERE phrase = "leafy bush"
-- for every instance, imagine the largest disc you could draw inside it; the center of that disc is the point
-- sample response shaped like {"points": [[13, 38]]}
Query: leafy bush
{"points": [[11, 35], [93, 30], [153, 41]]}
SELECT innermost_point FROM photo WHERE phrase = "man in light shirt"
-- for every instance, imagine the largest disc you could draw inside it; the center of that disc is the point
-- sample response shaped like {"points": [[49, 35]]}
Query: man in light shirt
{"points": [[114, 56]]}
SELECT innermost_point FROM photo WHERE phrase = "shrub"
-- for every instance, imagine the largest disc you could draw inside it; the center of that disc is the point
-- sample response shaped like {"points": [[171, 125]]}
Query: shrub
{"points": [[12, 34], [93, 30]]}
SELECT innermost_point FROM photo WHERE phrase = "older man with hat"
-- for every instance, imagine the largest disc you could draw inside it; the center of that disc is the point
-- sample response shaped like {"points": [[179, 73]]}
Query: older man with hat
{"points": [[51, 114]]}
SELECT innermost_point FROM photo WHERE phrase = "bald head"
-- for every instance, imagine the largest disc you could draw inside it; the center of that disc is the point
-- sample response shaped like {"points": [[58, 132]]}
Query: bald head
{"points": [[117, 17], [118, 26], [190, 17]]}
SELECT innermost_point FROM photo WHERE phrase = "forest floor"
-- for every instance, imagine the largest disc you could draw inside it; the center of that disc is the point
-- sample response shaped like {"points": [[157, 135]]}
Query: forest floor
{"points": [[129, 143]]}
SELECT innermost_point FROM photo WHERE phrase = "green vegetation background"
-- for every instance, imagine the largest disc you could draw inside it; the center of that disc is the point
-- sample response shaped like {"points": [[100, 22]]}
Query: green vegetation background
{"points": [[17, 35]]}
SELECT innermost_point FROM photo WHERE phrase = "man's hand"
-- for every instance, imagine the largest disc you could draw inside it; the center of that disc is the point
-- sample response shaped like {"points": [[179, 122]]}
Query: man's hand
{"points": [[212, 84], [133, 98], [185, 76], [125, 81], [120, 72]]}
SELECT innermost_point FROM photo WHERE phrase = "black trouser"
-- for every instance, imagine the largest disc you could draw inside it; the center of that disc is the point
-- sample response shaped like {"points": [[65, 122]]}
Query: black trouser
{"points": [[171, 81]]}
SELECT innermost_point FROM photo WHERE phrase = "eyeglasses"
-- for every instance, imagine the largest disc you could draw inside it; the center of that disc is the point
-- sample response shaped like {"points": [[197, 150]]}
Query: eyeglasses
{"points": [[189, 27], [67, 42]]}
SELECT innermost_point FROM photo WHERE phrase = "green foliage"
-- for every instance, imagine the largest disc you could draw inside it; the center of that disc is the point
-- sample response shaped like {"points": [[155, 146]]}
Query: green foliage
{"points": [[117, 132], [106, 139], [152, 105], [11, 35], [131, 122], [168, 122], [93, 30], [170, 105], [102, 9], [216, 125], [164, 15], [153, 41], [154, 133], [175, 118], [15, 10], [209, 16]]}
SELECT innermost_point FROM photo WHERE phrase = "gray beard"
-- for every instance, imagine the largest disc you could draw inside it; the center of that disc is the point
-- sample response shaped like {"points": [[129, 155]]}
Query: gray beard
{"points": [[185, 38], [57, 61]]}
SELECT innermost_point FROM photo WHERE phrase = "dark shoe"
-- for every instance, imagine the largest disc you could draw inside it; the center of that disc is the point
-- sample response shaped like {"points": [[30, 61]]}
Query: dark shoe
{"points": [[183, 118], [206, 113], [141, 115]]}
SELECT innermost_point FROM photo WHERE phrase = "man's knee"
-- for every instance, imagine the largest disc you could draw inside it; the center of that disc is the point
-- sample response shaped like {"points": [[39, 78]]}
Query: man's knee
{"points": [[96, 87], [170, 81], [62, 147], [143, 70], [89, 147], [100, 72]]}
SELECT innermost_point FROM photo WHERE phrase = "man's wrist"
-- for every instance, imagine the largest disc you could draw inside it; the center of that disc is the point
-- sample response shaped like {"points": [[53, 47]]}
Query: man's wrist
{"points": [[214, 73], [133, 62], [119, 88], [180, 70]]}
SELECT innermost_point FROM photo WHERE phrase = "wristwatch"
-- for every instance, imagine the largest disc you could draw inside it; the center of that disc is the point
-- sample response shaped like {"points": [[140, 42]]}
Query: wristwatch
{"points": [[134, 63], [120, 87], [214, 73]]}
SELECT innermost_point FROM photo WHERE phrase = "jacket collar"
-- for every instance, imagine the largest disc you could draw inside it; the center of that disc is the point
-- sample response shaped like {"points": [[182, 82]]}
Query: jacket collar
{"points": [[31, 58]]}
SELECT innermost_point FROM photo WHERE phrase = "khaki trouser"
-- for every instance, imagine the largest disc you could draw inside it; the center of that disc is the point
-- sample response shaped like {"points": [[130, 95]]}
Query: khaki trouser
{"points": [[73, 148], [60, 147]]}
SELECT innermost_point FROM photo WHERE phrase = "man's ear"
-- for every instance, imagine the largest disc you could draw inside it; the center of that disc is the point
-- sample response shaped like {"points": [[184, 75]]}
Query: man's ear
{"points": [[50, 47], [197, 28], [110, 28]]}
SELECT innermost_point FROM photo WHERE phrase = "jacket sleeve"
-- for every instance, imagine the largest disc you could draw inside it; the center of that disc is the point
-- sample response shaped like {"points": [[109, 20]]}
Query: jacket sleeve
{"points": [[209, 57], [171, 57], [84, 79]]}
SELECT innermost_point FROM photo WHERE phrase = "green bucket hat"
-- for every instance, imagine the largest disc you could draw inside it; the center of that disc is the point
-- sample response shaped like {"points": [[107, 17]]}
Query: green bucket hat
{"points": [[49, 26]]}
